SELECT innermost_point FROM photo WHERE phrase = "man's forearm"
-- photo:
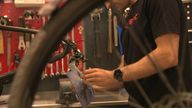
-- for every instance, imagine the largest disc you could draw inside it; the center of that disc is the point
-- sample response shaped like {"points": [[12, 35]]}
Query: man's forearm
{"points": [[144, 67]]}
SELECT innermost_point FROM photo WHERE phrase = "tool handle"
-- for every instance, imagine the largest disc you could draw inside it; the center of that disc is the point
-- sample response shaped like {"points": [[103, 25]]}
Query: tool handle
{"points": [[1, 43], [27, 37], [9, 33], [21, 45], [115, 31], [109, 49], [9, 48], [21, 23]]}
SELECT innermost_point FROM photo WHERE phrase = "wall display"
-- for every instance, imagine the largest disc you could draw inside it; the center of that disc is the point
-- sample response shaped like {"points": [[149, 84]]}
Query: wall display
{"points": [[101, 43], [15, 44]]}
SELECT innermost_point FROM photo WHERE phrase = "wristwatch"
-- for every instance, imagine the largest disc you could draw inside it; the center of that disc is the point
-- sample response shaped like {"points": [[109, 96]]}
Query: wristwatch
{"points": [[118, 75]]}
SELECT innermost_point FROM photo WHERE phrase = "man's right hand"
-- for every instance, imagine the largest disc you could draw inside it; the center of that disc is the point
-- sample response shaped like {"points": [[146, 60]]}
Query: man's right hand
{"points": [[101, 80]]}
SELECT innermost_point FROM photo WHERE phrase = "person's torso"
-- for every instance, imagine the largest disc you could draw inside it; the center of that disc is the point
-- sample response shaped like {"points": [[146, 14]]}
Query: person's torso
{"points": [[140, 23]]}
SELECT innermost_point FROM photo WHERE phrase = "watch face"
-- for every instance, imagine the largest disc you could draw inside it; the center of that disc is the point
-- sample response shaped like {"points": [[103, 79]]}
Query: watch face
{"points": [[118, 75]]}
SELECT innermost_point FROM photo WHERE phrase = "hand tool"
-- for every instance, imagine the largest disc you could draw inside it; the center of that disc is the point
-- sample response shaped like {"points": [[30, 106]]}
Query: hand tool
{"points": [[68, 58], [1, 42], [115, 31], [44, 75], [27, 38], [21, 45], [18, 29], [62, 67], [9, 45], [45, 71], [32, 36], [51, 70], [68, 37], [3, 21], [57, 65], [17, 59], [95, 18], [109, 49], [1, 67], [73, 34]]}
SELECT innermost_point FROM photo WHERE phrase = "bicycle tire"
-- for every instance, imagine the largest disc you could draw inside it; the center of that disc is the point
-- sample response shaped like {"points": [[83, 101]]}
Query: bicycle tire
{"points": [[30, 69], [36, 57]]}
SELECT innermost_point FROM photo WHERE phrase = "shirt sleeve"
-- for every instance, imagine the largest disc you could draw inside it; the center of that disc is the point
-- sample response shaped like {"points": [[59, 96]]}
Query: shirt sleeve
{"points": [[164, 17]]}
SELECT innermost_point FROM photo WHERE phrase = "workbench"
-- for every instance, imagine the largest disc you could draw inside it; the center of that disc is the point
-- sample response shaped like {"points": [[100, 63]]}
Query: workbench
{"points": [[48, 100]]}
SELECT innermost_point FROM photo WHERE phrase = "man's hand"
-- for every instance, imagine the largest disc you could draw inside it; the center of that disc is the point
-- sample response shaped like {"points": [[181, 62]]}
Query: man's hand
{"points": [[101, 79]]}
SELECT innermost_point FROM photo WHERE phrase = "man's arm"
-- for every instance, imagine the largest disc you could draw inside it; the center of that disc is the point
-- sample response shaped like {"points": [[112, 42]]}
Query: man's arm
{"points": [[165, 55]]}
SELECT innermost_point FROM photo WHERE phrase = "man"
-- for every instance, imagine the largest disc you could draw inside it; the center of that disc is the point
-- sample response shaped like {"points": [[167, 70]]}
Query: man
{"points": [[158, 25]]}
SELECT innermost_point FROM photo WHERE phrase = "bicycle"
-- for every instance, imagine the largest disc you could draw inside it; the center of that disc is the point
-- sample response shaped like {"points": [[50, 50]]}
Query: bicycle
{"points": [[36, 57]]}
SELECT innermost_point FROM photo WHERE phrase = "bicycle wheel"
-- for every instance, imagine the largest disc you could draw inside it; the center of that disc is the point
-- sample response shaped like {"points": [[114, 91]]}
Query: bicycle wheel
{"points": [[30, 69]]}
